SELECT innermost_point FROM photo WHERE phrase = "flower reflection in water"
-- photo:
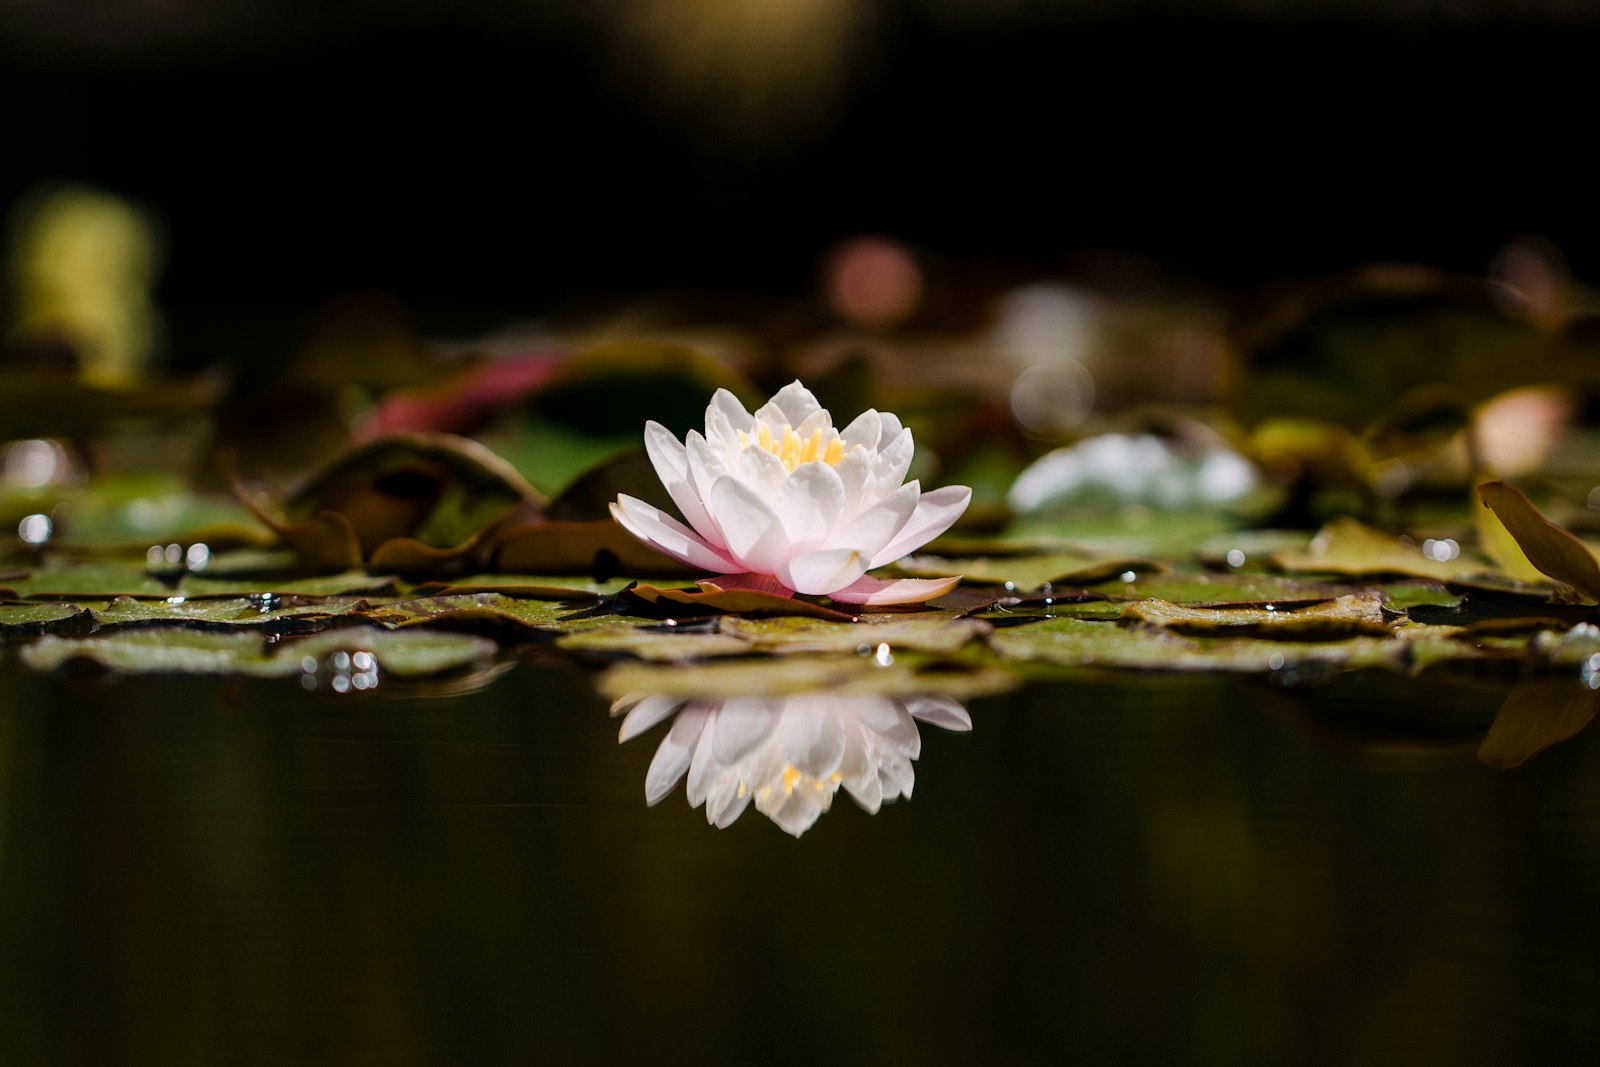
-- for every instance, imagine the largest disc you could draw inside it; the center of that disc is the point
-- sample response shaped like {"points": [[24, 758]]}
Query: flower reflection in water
{"points": [[787, 754]]}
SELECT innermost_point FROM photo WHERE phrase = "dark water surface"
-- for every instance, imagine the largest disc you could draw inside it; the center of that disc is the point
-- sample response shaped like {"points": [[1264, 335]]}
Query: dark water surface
{"points": [[1146, 869]]}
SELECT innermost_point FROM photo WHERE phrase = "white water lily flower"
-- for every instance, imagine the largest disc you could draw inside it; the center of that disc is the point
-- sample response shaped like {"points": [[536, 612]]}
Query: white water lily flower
{"points": [[789, 755], [782, 502]]}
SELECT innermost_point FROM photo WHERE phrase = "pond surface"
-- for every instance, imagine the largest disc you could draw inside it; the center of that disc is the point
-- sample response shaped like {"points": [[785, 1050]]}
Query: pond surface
{"points": [[1113, 869]]}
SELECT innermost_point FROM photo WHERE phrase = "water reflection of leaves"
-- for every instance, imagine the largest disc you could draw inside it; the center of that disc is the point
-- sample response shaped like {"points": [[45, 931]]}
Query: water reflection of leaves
{"points": [[1539, 713], [789, 755]]}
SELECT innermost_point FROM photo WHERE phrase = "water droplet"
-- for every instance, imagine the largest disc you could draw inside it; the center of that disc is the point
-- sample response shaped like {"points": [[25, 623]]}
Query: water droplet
{"points": [[198, 556], [174, 554], [883, 656], [175, 600], [1128, 576], [1235, 557], [1270, 607], [341, 683], [35, 529], [308, 681], [308, 664], [339, 661], [1275, 661], [1442, 550], [1010, 587], [33, 464], [363, 661]]}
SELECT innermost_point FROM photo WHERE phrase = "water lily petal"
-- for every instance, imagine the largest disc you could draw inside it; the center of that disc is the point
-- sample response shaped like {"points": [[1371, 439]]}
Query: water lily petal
{"points": [[817, 420], [750, 528], [703, 767], [864, 431], [661, 531], [893, 460], [872, 591], [808, 503], [726, 802], [739, 725], [792, 404], [820, 573], [940, 711], [935, 514], [853, 470], [671, 460], [706, 464], [873, 530], [797, 811], [761, 470], [673, 756], [645, 714], [725, 407]]}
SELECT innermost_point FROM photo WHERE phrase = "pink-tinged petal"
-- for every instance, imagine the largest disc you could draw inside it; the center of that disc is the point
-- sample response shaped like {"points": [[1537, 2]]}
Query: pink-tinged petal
{"points": [[881, 592], [645, 714], [661, 531], [874, 528], [793, 404], [820, 573], [671, 461], [864, 431], [942, 712], [935, 514], [674, 754], [808, 503], [756, 583], [750, 528]]}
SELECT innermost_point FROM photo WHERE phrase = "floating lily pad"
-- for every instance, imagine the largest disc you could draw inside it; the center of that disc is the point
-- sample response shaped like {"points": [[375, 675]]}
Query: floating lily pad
{"points": [[1059, 567], [655, 645], [843, 675], [21, 619], [514, 618], [1350, 548], [1085, 643], [188, 651], [921, 633], [537, 587], [1359, 614], [280, 614], [734, 601]]}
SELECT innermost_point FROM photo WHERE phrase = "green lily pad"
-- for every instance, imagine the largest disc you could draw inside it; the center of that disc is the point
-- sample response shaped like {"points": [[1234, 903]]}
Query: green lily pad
{"points": [[513, 618], [1352, 549], [281, 614], [1085, 643], [1058, 567], [655, 645], [188, 651], [844, 675], [21, 619], [1359, 614], [536, 587], [734, 601], [920, 633]]}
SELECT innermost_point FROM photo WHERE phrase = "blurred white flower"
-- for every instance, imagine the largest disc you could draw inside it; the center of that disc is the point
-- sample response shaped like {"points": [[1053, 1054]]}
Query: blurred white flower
{"points": [[788, 754], [781, 501]]}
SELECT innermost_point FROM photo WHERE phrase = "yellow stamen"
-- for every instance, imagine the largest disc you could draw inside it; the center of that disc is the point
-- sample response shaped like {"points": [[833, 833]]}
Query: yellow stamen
{"points": [[823, 446], [791, 776]]}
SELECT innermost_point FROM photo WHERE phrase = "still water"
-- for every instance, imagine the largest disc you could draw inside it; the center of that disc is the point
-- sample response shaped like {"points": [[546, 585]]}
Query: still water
{"points": [[1136, 869]]}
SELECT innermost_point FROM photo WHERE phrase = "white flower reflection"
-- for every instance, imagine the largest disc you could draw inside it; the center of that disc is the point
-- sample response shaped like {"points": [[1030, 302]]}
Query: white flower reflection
{"points": [[789, 755]]}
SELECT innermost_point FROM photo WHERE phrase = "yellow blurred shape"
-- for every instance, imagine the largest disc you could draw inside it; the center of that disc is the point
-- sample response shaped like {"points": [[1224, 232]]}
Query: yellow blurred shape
{"points": [[81, 265]]}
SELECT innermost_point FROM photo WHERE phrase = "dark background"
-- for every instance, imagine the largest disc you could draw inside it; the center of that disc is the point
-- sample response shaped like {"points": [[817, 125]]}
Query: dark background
{"points": [[482, 162]]}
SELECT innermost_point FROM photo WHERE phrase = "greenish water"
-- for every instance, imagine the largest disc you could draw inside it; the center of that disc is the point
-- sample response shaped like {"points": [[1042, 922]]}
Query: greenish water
{"points": [[1196, 870]]}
